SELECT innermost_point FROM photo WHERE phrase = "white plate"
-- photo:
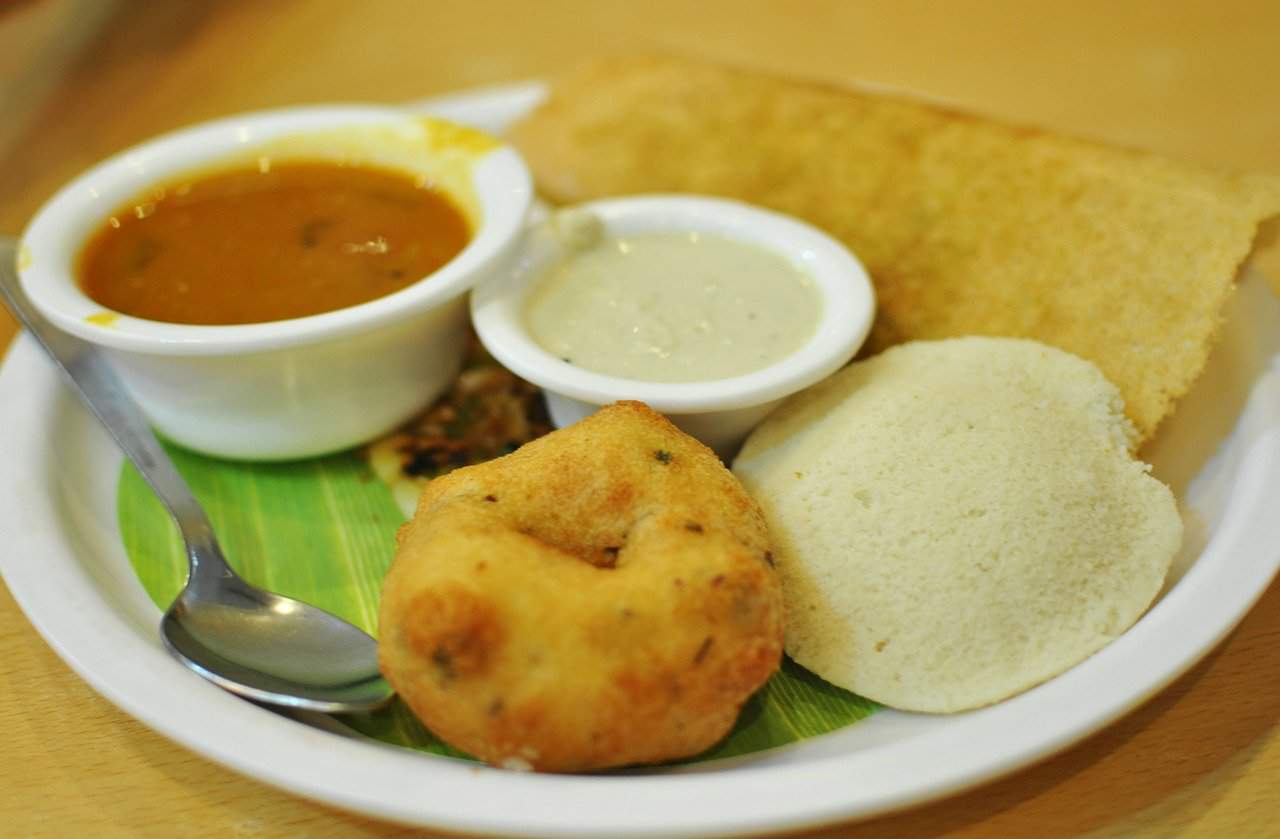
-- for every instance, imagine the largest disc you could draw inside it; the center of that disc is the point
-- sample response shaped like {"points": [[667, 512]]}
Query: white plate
{"points": [[64, 563]]}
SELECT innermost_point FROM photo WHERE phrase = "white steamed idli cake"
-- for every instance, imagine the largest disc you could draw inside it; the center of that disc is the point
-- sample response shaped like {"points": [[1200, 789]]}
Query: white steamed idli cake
{"points": [[957, 521]]}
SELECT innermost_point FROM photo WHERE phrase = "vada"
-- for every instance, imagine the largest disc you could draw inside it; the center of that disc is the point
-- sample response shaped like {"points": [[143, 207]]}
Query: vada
{"points": [[603, 596]]}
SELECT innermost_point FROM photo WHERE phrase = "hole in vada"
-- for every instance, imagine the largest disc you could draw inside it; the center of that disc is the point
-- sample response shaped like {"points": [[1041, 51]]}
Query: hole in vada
{"points": [[443, 661]]}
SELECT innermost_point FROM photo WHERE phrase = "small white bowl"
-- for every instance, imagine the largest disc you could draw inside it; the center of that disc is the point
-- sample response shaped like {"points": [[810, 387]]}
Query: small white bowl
{"points": [[309, 385], [720, 412]]}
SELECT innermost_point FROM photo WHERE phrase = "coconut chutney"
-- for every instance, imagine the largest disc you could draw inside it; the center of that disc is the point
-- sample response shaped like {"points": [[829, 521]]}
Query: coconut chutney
{"points": [[670, 307]]}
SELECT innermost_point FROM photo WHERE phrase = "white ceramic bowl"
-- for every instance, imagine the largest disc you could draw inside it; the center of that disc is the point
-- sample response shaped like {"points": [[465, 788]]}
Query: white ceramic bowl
{"points": [[309, 385], [720, 412]]}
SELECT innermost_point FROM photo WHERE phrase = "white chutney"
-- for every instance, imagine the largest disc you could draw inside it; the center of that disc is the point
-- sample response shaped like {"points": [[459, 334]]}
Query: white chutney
{"points": [[670, 307]]}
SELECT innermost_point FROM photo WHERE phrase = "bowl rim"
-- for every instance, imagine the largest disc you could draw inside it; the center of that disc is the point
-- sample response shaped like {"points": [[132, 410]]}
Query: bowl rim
{"points": [[848, 304], [52, 241]]}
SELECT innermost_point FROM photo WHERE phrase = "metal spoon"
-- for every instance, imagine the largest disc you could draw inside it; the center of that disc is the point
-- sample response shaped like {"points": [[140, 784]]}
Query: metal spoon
{"points": [[260, 645]]}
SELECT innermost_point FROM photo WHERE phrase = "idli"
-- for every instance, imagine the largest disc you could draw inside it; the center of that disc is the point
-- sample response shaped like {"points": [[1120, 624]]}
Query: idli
{"points": [[957, 521]]}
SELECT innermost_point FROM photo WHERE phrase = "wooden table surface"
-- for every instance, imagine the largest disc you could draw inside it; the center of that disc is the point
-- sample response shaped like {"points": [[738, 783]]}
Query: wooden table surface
{"points": [[1192, 79]]}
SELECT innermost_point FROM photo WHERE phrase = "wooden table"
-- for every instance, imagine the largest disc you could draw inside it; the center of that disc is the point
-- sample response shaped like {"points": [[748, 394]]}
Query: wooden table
{"points": [[1192, 79]]}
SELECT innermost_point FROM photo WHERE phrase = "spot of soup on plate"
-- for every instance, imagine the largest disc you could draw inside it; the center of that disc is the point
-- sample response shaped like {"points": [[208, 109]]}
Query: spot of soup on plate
{"points": [[23, 259], [443, 135], [103, 318]]}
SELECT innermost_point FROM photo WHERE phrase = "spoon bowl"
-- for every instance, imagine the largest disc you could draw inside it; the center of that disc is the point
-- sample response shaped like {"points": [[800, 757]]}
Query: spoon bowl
{"points": [[271, 648], [254, 643]]}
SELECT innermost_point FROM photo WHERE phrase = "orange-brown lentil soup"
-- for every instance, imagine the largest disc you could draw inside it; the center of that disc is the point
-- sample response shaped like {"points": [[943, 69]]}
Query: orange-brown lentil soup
{"points": [[265, 244]]}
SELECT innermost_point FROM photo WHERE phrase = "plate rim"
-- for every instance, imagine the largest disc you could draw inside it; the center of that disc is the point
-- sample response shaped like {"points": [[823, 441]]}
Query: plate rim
{"points": [[1236, 566]]}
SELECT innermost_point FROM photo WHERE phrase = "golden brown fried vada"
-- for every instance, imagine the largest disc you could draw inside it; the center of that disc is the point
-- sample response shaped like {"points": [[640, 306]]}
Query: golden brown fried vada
{"points": [[603, 596]]}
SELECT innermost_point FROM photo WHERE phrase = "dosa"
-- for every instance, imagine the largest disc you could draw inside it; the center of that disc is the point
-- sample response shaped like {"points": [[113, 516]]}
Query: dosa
{"points": [[967, 226]]}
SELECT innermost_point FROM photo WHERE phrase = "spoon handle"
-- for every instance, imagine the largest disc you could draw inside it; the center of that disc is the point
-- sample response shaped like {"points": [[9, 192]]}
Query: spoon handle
{"points": [[86, 370]]}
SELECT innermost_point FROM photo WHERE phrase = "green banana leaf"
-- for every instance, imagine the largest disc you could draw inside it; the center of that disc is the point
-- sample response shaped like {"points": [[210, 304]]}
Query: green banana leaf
{"points": [[323, 530]]}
